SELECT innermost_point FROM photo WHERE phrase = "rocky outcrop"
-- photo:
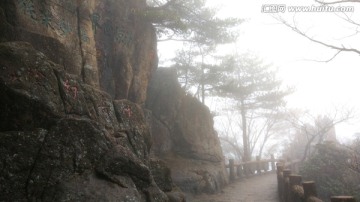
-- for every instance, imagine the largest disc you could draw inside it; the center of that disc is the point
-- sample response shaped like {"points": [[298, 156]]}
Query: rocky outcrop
{"points": [[73, 75], [64, 140], [183, 135], [107, 44], [73, 83]]}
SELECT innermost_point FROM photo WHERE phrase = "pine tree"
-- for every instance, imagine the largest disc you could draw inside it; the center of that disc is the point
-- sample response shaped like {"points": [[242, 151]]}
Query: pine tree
{"points": [[254, 87]]}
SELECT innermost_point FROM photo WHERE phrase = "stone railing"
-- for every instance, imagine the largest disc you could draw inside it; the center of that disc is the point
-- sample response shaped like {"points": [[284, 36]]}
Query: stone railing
{"points": [[250, 168], [291, 188]]}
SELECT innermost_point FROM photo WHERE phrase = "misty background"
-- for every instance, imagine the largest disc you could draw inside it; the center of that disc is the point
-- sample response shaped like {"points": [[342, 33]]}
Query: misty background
{"points": [[319, 86]]}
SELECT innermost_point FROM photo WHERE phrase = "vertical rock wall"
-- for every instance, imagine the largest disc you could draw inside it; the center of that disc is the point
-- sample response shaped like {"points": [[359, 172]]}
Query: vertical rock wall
{"points": [[74, 77], [183, 135], [106, 43], [64, 140]]}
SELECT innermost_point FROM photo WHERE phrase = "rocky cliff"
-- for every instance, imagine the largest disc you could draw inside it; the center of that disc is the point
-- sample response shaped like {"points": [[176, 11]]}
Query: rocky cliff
{"points": [[184, 137], [108, 44], [64, 140], [73, 84]]}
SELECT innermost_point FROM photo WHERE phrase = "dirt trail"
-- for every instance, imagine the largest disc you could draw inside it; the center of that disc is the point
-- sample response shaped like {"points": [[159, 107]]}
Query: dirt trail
{"points": [[254, 189]]}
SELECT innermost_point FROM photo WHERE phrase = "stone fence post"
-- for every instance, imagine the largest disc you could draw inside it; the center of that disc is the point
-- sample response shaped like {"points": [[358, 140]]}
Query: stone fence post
{"points": [[258, 165], [273, 168], [294, 180], [232, 169], [291, 189], [280, 168], [286, 173], [309, 189]]}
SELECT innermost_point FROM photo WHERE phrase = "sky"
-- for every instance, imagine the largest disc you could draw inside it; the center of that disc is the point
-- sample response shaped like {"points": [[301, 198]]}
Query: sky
{"points": [[320, 86]]}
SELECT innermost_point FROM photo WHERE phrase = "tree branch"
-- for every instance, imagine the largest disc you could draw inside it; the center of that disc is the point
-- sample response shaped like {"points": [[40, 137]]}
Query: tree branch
{"points": [[338, 48], [328, 60]]}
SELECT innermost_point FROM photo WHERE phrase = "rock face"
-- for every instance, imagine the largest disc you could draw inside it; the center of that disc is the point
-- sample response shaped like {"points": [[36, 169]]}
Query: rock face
{"points": [[183, 134], [64, 140], [73, 83], [106, 43]]}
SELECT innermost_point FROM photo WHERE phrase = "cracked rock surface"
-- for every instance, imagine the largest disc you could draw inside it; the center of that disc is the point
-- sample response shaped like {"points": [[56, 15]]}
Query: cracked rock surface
{"points": [[74, 78], [55, 146], [184, 137]]}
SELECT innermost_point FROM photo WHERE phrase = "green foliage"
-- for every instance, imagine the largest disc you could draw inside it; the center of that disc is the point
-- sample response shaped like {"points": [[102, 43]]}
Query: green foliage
{"points": [[252, 83], [255, 89], [329, 167], [194, 69], [190, 20]]}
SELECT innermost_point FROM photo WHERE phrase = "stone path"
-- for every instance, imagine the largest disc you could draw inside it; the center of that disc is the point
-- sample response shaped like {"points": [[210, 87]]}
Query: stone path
{"points": [[254, 189]]}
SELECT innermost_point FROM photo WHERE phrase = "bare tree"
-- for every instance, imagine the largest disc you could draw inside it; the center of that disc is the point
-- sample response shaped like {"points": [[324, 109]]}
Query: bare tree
{"points": [[275, 123], [315, 129], [260, 129], [231, 142]]}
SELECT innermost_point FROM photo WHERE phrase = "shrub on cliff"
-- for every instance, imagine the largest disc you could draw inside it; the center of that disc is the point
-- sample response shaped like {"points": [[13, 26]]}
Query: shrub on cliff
{"points": [[330, 167]]}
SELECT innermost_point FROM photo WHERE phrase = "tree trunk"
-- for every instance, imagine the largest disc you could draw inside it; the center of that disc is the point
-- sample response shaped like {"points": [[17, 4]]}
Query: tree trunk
{"points": [[247, 156], [263, 144], [203, 93], [307, 148], [202, 79]]}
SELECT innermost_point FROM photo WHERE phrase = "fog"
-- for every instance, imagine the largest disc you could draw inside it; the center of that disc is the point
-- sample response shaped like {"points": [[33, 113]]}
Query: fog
{"points": [[320, 86]]}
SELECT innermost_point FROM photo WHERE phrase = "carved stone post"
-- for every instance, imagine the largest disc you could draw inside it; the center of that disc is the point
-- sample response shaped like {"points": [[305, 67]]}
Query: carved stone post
{"points": [[231, 169], [294, 166], [246, 168], [286, 174], [258, 165], [273, 162], [280, 168], [239, 171], [309, 189], [266, 166], [293, 181]]}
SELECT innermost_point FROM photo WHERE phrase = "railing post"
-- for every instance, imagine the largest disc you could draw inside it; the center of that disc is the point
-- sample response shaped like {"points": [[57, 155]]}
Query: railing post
{"points": [[258, 165], [342, 199], [309, 189], [279, 170], [266, 166], [286, 174], [251, 168], [246, 169], [239, 171], [231, 169], [272, 162], [238, 174], [294, 166], [294, 180]]}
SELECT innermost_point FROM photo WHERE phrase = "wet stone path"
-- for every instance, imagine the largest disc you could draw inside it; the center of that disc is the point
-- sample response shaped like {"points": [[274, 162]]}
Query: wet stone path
{"points": [[261, 188]]}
